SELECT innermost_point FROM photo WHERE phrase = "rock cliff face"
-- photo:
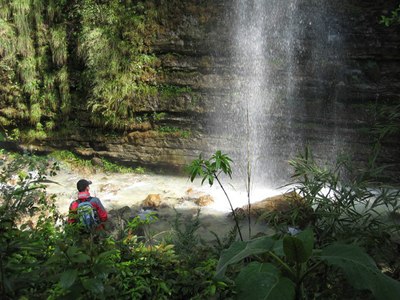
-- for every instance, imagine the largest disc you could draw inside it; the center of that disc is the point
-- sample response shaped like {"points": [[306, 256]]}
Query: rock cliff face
{"points": [[331, 92]]}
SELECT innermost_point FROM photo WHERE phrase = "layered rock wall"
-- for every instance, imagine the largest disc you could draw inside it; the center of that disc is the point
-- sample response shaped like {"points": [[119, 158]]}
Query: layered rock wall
{"points": [[195, 53]]}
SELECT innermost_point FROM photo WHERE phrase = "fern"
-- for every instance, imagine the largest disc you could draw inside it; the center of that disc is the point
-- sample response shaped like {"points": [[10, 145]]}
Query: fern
{"points": [[59, 45]]}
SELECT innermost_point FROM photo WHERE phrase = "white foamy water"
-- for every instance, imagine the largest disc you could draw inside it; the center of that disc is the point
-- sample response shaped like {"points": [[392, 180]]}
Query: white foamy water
{"points": [[120, 190]]}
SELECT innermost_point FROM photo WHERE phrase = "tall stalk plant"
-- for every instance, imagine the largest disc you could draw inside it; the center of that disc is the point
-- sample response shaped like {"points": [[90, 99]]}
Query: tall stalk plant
{"points": [[210, 170], [357, 210], [248, 171]]}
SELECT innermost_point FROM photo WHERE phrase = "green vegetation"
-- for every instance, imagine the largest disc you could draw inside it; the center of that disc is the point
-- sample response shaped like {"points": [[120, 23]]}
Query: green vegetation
{"points": [[171, 129], [116, 51], [283, 270], [57, 58], [33, 64], [75, 162], [170, 91], [393, 18], [42, 260], [210, 169], [347, 247], [71, 159], [53, 55], [114, 168]]}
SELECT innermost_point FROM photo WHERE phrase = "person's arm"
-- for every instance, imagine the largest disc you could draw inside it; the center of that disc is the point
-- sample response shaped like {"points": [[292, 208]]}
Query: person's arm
{"points": [[72, 214], [101, 211]]}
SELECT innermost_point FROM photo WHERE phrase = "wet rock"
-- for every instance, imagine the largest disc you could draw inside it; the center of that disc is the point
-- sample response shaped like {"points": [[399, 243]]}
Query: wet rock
{"points": [[147, 213], [124, 213], [281, 209], [240, 213], [280, 203], [118, 219], [108, 188], [152, 201], [204, 200], [97, 162]]}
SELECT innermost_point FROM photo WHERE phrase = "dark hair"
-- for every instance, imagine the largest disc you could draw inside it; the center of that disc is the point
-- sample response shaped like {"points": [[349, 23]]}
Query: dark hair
{"points": [[82, 184]]}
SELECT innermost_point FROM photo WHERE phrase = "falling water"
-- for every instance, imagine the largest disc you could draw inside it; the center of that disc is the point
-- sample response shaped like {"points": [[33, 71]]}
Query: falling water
{"points": [[284, 58]]}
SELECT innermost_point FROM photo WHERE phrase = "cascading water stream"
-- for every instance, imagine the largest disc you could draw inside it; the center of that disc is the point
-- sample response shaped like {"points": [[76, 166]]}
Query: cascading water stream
{"points": [[283, 60]]}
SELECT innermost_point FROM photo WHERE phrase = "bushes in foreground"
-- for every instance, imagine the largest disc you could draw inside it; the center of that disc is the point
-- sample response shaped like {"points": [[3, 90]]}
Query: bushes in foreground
{"points": [[40, 259], [346, 249]]}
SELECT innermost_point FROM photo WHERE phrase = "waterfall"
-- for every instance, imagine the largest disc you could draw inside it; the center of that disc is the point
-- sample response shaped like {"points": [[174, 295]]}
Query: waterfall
{"points": [[283, 72]]}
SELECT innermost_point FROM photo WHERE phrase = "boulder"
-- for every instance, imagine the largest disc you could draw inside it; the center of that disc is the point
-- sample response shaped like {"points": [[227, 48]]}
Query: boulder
{"points": [[281, 203], [152, 201], [97, 162], [288, 208]]}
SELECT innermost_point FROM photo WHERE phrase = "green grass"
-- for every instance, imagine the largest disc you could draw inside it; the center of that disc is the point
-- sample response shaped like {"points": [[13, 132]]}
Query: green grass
{"points": [[74, 161], [115, 168], [172, 129], [71, 159]]}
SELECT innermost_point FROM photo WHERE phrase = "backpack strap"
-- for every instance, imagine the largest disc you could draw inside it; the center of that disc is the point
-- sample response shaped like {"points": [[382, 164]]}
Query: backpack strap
{"points": [[81, 200]]}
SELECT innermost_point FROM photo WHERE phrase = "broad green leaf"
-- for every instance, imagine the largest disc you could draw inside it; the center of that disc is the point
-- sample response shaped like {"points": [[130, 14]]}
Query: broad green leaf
{"points": [[94, 285], [307, 236], [361, 271], [294, 249], [239, 250], [299, 248], [102, 268], [68, 278], [107, 254], [80, 258], [72, 251], [217, 163], [263, 282], [278, 248]]}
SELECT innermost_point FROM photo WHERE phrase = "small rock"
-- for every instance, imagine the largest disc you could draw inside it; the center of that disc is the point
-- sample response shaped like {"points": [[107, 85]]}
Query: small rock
{"points": [[152, 200], [108, 188], [204, 200], [147, 213], [97, 162]]}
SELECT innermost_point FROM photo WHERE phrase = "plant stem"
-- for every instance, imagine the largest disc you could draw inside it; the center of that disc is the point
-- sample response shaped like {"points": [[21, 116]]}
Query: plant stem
{"points": [[283, 264], [233, 211], [248, 168], [3, 286], [310, 269]]}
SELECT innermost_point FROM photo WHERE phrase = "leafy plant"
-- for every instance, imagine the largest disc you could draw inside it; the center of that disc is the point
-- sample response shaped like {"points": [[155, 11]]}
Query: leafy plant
{"points": [[210, 170], [348, 210], [393, 18], [184, 235], [22, 197], [280, 267], [80, 266]]}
